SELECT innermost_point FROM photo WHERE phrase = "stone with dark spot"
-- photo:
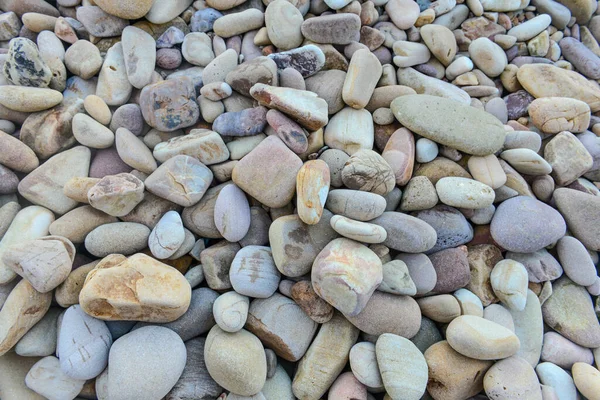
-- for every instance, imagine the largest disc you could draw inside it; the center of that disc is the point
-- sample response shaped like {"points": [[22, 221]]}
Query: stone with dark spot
{"points": [[308, 60], [203, 20], [170, 105], [452, 268], [99, 23], [451, 226], [332, 29], [24, 65], [258, 70], [517, 104], [250, 121], [291, 133]]}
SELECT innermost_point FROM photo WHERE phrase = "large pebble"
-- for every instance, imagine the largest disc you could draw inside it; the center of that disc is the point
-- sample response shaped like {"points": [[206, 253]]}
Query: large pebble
{"points": [[47, 379], [312, 188], [117, 237], [40, 341], [529, 328], [282, 326], [488, 56], [83, 344], [253, 272], [587, 380], [525, 225], [403, 367], [325, 358], [92, 133], [161, 293], [231, 311], [481, 339], [23, 308], [406, 233], [367, 171], [581, 57], [131, 363], [260, 174], [464, 193], [332, 272], [511, 378], [363, 362], [29, 99], [564, 353], [236, 361], [99, 23], [116, 195], [170, 105], [568, 158], [570, 312], [441, 120], [358, 86], [25, 66], [576, 261], [557, 114], [332, 29], [580, 210], [232, 213], [350, 130], [451, 227], [557, 378], [113, 85], [283, 22]]}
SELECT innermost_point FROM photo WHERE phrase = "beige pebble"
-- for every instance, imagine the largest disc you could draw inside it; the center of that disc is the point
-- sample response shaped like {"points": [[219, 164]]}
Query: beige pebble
{"points": [[557, 114], [509, 280], [587, 380], [29, 99], [359, 231], [441, 308], [312, 188], [92, 133], [97, 109], [464, 193], [487, 170], [526, 161]]}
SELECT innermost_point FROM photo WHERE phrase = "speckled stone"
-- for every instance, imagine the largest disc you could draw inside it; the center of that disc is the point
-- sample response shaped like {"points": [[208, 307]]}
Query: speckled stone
{"points": [[170, 105]]}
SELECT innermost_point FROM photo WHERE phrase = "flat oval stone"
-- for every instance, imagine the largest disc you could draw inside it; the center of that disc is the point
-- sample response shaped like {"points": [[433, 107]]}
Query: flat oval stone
{"points": [[358, 86], [312, 188], [232, 213], [92, 133], [451, 227], [529, 328], [161, 292], [350, 130], [236, 361], [47, 378], [564, 353], [363, 362], [167, 236], [516, 225], [542, 80], [83, 344], [441, 120], [452, 269], [511, 378], [464, 193], [307, 60], [205, 145], [283, 24], [16, 155], [541, 266], [291, 133], [557, 114], [580, 211], [587, 379], [139, 49], [113, 85], [358, 205], [399, 152], [332, 273], [117, 237], [581, 57], [576, 261], [403, 367], [333, 29], [388, 313], [29, 99], [527, 161], [130, 362], [406, 233], [325, 358], [253, 272], [250, 121], [359, 231], [481, 339], [570, 312], [557, 378]]}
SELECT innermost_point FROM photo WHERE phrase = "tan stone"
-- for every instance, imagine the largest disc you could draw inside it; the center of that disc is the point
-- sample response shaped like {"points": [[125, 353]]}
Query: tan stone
{"points": [[77, 188], [587, 380], [23, 308], [482, 259], [29, 99], [77, 223], [312, 188], [67, 293], [568, 157], [440, 41], [116, 195], [557, 114], [138, 288], [97, 109], [16, 155], [487, 170], [358, 85], [441, 308], [453, 376]]}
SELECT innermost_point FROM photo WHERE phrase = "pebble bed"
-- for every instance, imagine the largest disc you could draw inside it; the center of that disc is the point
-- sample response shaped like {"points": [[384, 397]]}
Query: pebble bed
{"points": [[303, 199]]}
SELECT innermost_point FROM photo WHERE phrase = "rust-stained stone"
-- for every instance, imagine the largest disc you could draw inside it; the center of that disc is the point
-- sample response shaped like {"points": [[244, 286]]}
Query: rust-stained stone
{"points": [[138, 288], [292, 134], [482, 259], [315, 307], [312, 187], [170, 105]]}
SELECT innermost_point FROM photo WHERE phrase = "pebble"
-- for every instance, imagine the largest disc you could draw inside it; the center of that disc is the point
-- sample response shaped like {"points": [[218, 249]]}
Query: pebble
{"points": [[419, 194], [568, 158], [325, 358], [167, 236], [24, 65], [97, 109], [367, 171], [488, 56], [465, 193], [113, 85], [564, 353], [253, 272], [307, 60], [117, 237], [481, 339], [232, 213], [204, 145], [578, 324], [40, 341], [365, 271], [509, 280], [557, 114], [44, 262], [399, 153], [247, 372], [177, 106], [557, 378], [29, 99], [575, 261], [130, 362], [283, 22], [139, 50], [510, 378], [92, 133], [312, 188], [168, 292], [517, 225], [406, 233], [231, 311], [99, 23], [358, 87], [23, 308], [81, 334], [47, 379], [83, 59], [403, 13], [403, 367], [452, 375], [350, 130], [338, 29], [363, 362], [359, 231], [587, 380], [580, 219], [406, 108], [116, 195]]}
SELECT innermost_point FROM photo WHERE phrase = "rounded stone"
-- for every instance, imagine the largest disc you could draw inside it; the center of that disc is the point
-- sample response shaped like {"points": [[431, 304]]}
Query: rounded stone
{"points": [[488, 56], [525, 225], [236, 361], [345, 264], [576, 261], [464, 193], [131, 363], [481, 339], [363, 362], [253, 272], [231, 311], [509, 280], [232, 213], [167, 236], [512, 378], [587, 380]]}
